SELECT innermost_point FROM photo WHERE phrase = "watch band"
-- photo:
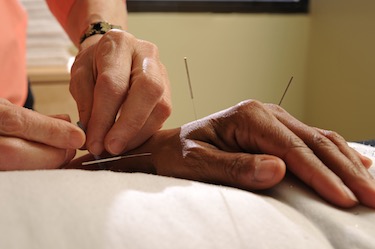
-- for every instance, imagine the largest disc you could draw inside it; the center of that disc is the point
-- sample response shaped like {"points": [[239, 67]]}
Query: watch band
{"points": [[98, 28]]}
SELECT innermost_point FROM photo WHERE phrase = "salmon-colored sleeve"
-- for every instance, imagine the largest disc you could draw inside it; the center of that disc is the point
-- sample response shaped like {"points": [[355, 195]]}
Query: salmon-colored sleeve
{"points": [[60, 9]]}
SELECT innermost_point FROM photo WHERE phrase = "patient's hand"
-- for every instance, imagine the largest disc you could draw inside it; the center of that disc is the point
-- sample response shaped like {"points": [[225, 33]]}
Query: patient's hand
{"points": [[29, 140], [247, 146]]}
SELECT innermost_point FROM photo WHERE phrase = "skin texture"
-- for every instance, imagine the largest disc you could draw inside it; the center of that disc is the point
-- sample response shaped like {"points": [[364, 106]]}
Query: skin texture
{"points": [[120, 86], [29, 140], [250, 146], [122, 100]]}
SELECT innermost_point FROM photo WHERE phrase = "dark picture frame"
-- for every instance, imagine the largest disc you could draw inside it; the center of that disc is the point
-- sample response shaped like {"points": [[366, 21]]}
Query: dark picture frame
{"points": [[219, 6]]}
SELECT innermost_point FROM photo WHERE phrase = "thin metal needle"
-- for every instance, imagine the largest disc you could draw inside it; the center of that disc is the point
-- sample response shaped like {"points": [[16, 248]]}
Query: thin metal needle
{"points": [[190, 87], [110, 159], [286, 89]]}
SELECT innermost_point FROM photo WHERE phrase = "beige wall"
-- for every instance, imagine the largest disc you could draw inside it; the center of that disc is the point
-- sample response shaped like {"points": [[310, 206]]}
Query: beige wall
{"points": [[231, 57], [341, 73]]}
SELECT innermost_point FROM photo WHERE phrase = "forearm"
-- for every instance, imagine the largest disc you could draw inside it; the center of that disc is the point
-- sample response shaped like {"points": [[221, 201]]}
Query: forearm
{"points": [[84, 12]]}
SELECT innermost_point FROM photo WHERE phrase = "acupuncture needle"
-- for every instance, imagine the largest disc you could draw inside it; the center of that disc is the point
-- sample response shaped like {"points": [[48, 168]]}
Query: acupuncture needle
{"points": [[115, 158], [99, 160], [221, 193], [286, 89], [190, 87]]}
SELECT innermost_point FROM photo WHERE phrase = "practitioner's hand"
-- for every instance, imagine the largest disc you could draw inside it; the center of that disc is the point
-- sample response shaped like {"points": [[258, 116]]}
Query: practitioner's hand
{"points": [[118, 74], [249, 145], [29, 140]]}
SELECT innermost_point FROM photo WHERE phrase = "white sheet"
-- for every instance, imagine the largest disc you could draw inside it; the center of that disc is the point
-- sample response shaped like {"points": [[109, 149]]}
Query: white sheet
{"points": [[84, 209]]}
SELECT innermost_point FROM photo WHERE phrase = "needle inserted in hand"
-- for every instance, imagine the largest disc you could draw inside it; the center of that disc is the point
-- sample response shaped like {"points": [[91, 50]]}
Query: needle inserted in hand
{"points": [[286, 89], [115, 158], [190, 87]]}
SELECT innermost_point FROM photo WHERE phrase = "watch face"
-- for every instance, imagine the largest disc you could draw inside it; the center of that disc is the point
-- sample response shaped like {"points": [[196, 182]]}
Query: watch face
{"points": [[101, 26], [98, 28]]}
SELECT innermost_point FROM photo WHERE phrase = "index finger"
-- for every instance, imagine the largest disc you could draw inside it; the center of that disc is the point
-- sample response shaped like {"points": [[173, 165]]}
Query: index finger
{"points": [[111, 86]]}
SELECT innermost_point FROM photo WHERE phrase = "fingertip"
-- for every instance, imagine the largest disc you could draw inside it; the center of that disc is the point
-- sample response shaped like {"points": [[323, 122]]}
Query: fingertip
{"points": [[116, 146], [95, 148], [334, 191], [367, 162], [364, 191], [268, 171], [351, 199], [77, 139]]}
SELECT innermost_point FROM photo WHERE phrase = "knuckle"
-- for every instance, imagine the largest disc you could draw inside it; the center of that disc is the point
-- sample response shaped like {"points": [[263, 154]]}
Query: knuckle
{"points": [[152, 48], [275, 108], [12, 122], [111, 83], [133, 126], [333, 136], [296, 147], [105, 46], [251, 111], [108, 39], [151, 82], [153, 85], [105, 79], [234, 168], [117, 34], [114, 39], [319, 140], [250, 105], [164, 110]]}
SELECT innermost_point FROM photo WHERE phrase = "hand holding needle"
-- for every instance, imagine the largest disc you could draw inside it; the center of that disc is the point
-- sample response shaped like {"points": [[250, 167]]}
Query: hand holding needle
{"points": [[98, 160]]}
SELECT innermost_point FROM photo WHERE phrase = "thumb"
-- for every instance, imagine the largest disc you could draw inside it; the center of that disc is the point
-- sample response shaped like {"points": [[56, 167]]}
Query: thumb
{"points": [[240, 170], [247, 171]]}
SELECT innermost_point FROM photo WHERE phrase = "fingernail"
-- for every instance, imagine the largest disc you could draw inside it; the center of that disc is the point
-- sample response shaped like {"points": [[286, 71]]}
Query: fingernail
{"points": [[76, 139], [96, 148], [64, 117], [116, 146], [265, 170], [349, 193]]}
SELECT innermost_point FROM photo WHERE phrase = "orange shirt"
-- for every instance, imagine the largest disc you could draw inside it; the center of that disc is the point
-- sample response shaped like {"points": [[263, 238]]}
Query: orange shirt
{"points": [[13, 19], [13, 79], [60, 9]]}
